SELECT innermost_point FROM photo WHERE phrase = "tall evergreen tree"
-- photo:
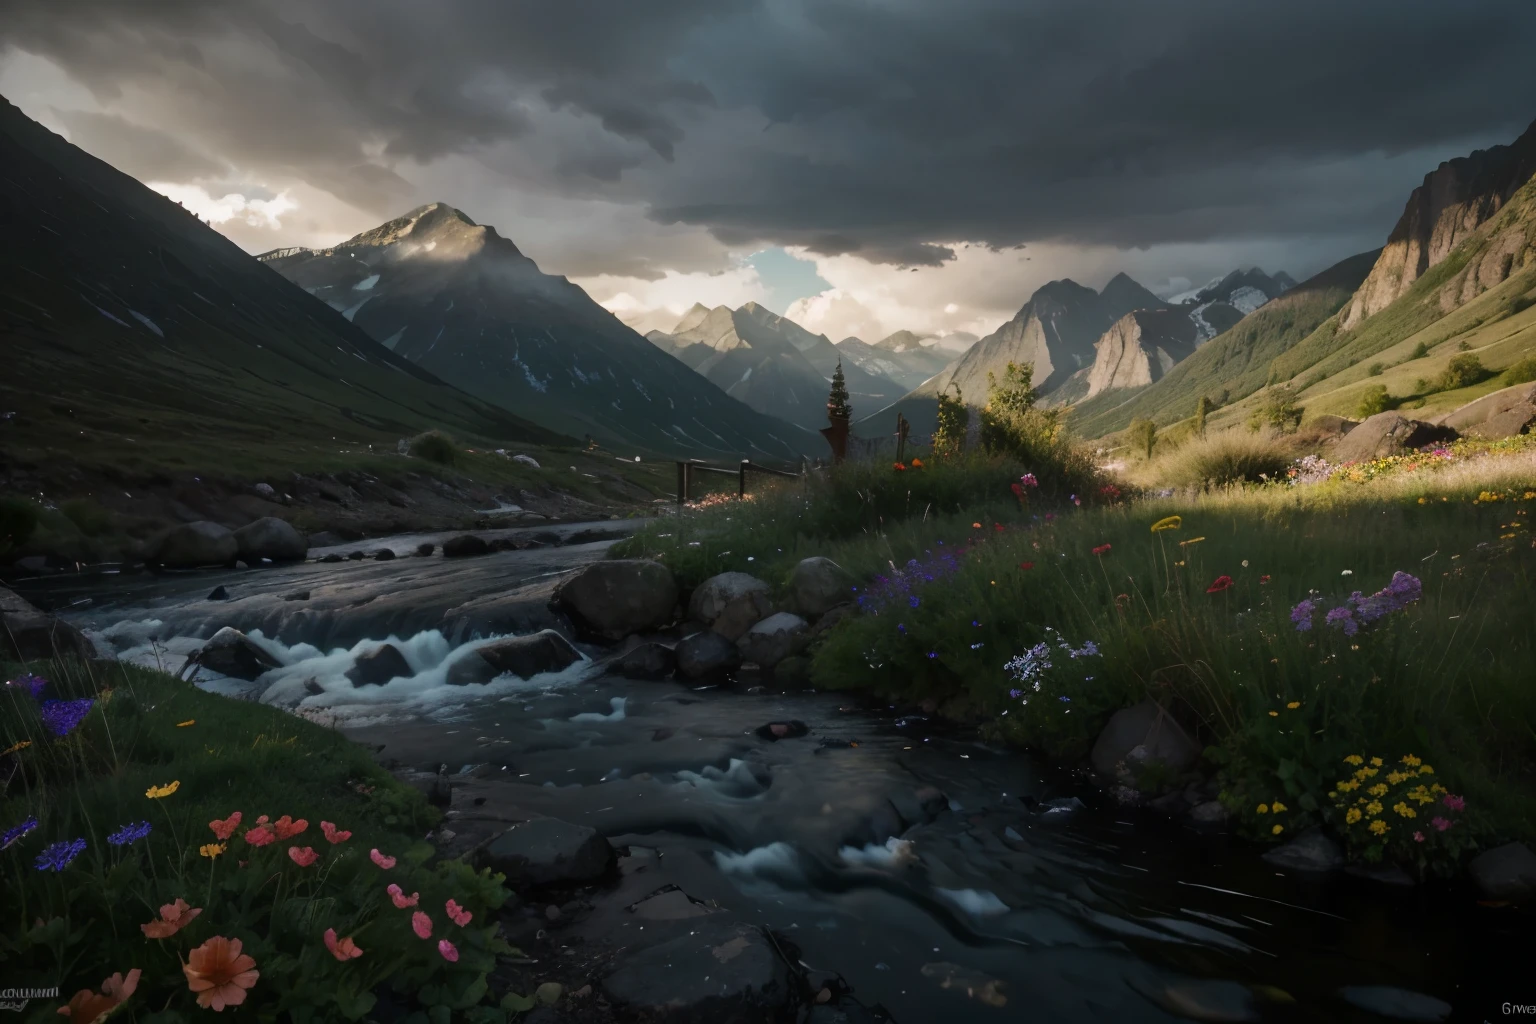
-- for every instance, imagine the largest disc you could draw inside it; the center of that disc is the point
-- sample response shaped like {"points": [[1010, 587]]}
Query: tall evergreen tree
{"points": [[837, 401]]}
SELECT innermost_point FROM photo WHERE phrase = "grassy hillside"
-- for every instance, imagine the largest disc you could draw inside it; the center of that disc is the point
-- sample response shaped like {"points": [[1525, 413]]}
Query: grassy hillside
{"points": [[1235, 363]]}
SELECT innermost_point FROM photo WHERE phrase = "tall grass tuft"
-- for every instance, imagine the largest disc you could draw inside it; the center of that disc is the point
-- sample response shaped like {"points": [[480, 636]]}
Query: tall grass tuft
{"points": [[1221, 460], [435, 446]]}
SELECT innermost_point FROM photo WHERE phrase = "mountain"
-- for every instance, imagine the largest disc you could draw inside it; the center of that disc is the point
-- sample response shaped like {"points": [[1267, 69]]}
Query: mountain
{"points": [[1221, 304], [904, 371], [461, 301], [1123, 294], [1141, 347], [772, 364], [139, 342], [1453, 202]]}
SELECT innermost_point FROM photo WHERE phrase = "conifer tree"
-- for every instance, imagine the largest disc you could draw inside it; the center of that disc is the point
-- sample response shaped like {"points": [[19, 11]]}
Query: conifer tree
{"points": [[837, 401]]}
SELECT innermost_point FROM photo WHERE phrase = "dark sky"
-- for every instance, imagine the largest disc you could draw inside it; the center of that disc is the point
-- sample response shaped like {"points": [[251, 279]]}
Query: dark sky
{"points": [[632, 139]]}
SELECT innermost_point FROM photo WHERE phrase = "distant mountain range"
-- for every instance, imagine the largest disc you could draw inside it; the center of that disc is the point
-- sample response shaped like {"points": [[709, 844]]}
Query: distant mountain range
{"points": [[461, 301]]}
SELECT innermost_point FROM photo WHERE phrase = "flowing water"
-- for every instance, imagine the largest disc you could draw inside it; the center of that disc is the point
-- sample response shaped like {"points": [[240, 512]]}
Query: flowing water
{"points": [[1017, 894]]}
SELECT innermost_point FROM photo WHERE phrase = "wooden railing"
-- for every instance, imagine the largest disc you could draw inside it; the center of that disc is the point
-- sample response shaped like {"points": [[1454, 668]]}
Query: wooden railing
{"points": [[686, 470]]}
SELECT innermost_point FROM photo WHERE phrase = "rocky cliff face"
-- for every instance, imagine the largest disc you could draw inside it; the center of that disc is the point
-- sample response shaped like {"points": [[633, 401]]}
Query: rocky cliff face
{"points": [[1140, 348], [1455, 200]]}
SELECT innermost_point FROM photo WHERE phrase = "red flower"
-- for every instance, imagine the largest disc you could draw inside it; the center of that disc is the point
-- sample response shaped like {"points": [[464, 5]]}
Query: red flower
{"points": [[1221, 583], [999, 527], [399, 897], [1026, 566], [226, 828], [302, 857], [285, 827], [334, 834], [421, 924], [1263, 579], [342, 949], [1017, 489], [459, 915], [261, 835], [381, 860], [899, 465], [1101, 549], [448, 950]]}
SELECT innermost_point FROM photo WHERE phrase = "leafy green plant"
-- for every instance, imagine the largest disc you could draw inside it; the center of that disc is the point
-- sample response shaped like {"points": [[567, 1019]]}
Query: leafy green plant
{"points": [[1230, 457], [1278, 409], [954, 420], [1142, 435], [1419, 351], [435, 446], [1522, 372], [1375, 369], [1374, 400], [1461, 372], [1399, 812]]}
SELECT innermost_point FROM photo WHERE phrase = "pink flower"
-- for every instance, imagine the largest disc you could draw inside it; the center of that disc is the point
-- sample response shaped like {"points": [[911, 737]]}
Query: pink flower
{"points": [[302, 857], [1440, 823], [401, 899], [1455, 803], [334, 834], [459, 915], [382, 861], [345, 949], [449, 951], [259, 836], [1418, 837], [421, 924]]}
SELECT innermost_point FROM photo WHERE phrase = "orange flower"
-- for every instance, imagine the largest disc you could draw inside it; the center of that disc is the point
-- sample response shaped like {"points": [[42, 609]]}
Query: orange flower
{"points": [[917, 463], [342, 949], [88, 1006], [302, 857], [285, 827], [222, 830], [173, 918], [975, 526], [219, 973]]}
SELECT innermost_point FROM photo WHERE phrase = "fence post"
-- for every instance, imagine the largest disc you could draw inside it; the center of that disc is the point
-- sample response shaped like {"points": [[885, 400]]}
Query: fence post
{"points": [[741, 484], [682, 483]]}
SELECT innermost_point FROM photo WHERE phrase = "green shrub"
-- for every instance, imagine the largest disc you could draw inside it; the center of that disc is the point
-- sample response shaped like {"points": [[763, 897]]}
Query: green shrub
{"points": [[1374, 400], [1419, 351], [1142, 435], [954, 420], [435, 446], [1463, 371], [1374, 370], [1278, 409], [1230, 457], [1522, 372], [18, 520]]}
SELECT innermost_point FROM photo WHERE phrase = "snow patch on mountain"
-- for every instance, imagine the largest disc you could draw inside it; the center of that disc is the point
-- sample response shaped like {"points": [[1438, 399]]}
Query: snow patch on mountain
{"points": [[366, 284], [1247, 299]]}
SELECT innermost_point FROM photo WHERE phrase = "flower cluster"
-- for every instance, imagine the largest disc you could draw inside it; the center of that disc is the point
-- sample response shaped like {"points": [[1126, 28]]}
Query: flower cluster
{"points": [[1029, 669], [1313, 470], [900, 586], [61, 717], [1358, 609], [32, 685], [1393, 809]]}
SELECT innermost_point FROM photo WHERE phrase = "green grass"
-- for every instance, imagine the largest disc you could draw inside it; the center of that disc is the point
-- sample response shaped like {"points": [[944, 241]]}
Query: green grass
{"points": [[1218, 460], [79, 925]]}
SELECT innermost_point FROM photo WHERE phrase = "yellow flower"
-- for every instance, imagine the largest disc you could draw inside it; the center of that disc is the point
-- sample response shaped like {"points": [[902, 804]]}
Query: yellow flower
{"points": [[1192, 540], [1263, 808], [1426, 770], [1278, 807], [1373, 808], [1169, 523], [1380, 789], [1354, 759], [1423, 501], [1293, 705], [1352, 815], [1437, 788], [1403, 809], [183, 725], [1277, 830], [1274, 714], [1375, 762], [1349, 786], [1396, 777], [211, 850], [23, 745], [1366, 773], [1378, 827], [156, 792]]}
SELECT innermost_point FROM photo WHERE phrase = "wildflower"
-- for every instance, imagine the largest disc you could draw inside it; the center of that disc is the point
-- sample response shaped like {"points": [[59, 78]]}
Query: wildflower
{"points": [[1274, 714], [1026, 566], [1418, 837], [33, 684], [1263, 579], [1301, 615], [1347, 572], [1101, 549], [1015, 694], [1276, 830], [15, 832], [211, 850], [285, 827], [1293, 705], [1352, 815], [334, 834], [19, 745], [1426, 770], [401, 900], [1017, 490], [1167, 523], [63, 716], [222, 830], [1378, 827], [459, 915], [898, 465], [1380, 789], [1278, 808], [173, 918], [1375, 763], [1028, 480], [342, 949], [1344, 618], [219, 973], [183, 725], [56, 856], [1263, 808], [1404, 811], [1373, 808], [129, 834], [917, 463], [1455, 803], [261, 835], [160, 792], [87, 1006], [447, 950], [421, 924], [999, 527], [382, 861], [1192, 540], [1219, 584], [1440, 823], [303, 857], [1354, 759]]}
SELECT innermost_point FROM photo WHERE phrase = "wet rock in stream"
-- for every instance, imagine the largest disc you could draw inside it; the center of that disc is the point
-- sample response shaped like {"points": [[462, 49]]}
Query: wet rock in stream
{"points": [[522, 656], [715, 969], [547, 850], [231, 653], [647, 661], [379, 666], [706, 655]]}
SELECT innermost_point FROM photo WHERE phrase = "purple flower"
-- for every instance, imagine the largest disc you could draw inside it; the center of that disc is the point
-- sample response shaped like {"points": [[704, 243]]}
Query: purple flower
{"points": [[1343, 617], [1454, 802], [1015, 694], [14, 833], [62, 716], [33, 684], [129, 834], [1440, 823], [56, 856], [1302, 614]]}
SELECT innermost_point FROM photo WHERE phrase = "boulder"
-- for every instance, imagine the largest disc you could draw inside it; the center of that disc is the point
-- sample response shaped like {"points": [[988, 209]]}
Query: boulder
{"points": [[266, 491], [522, 656], [219, 593], [384, 555], [379, 666], [817, 585], [1387, 433], [832, 618], [547, 850], [1212, 812], [1502, 414], [730, 603], [718, 969], [464, 546], [647, 661], [425, 549], [775, 731], [1311, 851], [774, 639], [704, 655], [230, 652], [332, 558], [1142, 735], [28, 634], [610, 600], [193, 544], [272, 538], [1505, 872]]}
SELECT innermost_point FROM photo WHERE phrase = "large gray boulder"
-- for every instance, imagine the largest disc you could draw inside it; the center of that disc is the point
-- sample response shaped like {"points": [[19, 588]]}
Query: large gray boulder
{"points": [[611, 600], [730, 603], [379, 666], [28, 634], [706, 654], [191, 545], [1502, 414], [546, 850], [817, 585], [230, 652], [1311, 851], [522, 656], [273, 538], [716, 969], [1387, 433], [775, 638], [1139, 736], [1505, 872]]}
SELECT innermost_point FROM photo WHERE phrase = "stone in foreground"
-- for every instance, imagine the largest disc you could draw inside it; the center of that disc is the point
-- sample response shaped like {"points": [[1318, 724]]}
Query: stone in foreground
{"points": [[1387, 433], [191, 545], [464, 546], [648, 661], [730, 603], [230, 652], [1310, 851], [706, 654], [611, 600], [522, 656], [1505, 872], [775, 638], [817, 585], [719, 970], [546, 850], [28, 634], [1143, 734], [273, 538]]}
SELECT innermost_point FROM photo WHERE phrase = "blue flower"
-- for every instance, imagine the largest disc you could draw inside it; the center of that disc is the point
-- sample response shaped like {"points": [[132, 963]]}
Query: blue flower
{"points": [[129, 834], [62, 716], [56, 856], [913, 601], [933, 654], [33, 684], [10, 835]]}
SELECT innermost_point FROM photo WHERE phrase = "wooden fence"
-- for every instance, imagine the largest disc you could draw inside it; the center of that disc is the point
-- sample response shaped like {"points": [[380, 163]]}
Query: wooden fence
{"points": [[686, 470]]}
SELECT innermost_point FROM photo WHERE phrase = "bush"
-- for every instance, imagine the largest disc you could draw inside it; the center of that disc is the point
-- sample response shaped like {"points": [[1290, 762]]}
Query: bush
{"points": [[18, 520], [1142, 435], [1463, 371], [1227, 458], [1419, 351], [1522, 372], [1374, 400], [954, 420], [435, 446], [1278, 409], [1374, 370]]}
